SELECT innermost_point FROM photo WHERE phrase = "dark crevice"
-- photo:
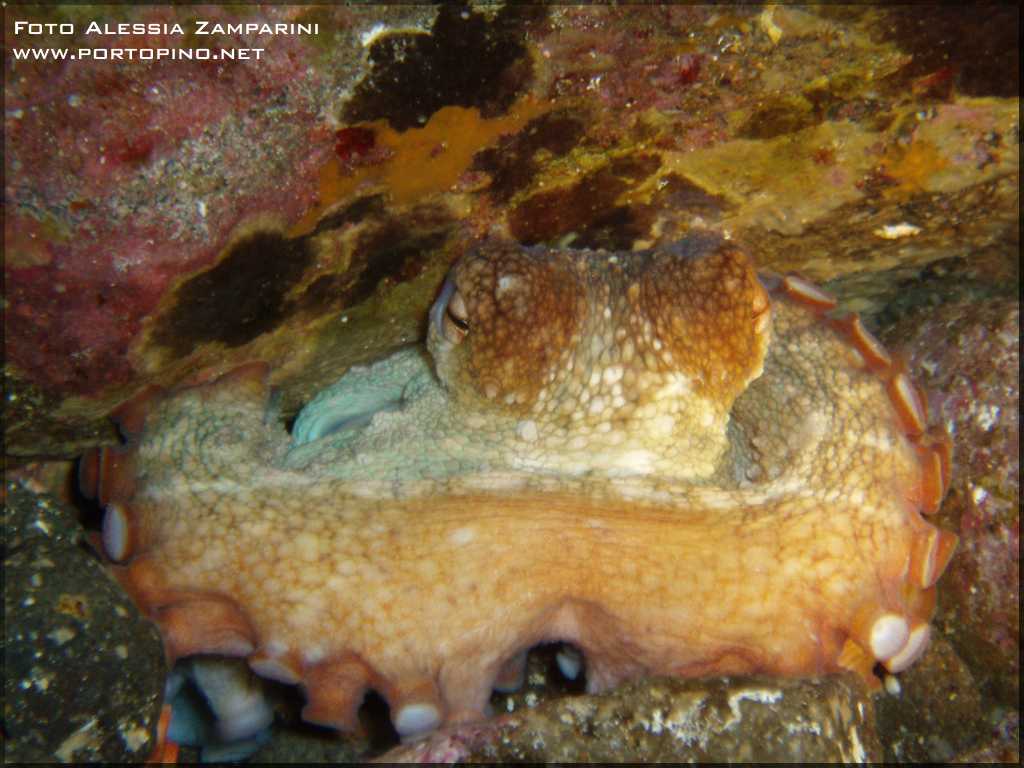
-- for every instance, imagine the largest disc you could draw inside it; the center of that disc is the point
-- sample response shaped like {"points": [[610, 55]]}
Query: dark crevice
{"points": [[375, 717], [90, 511]]}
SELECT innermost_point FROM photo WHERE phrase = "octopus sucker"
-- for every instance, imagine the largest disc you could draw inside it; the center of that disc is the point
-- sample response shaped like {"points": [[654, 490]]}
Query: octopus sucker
{"points": [[241, 709], [512, 674], [807, 293], [916, 644], [120, 532], [935, 452], [910, 406], [276, 666], [663, 459], [875, 355], [569, 661], [930, 554]]}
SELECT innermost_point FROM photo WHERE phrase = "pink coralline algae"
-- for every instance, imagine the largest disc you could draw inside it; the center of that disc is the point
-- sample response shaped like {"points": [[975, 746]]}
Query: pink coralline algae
{"points": [[123, 176]]}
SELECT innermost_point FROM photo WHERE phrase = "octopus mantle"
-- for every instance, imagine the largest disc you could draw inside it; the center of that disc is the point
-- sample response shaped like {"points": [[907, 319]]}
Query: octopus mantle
{"points": [[675, 464]]}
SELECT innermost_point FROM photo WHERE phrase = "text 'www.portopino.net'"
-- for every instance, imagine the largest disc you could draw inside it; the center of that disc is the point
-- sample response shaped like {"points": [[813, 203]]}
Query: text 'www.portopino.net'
{"points": [[137, 54]]}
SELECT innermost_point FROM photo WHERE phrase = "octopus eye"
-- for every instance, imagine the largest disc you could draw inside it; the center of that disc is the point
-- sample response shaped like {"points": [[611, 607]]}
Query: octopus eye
{"points": [[456, 319]]}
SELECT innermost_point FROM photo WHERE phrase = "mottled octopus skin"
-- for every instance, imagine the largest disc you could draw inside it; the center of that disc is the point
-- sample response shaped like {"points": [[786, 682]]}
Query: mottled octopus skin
{"points": [[677, 465]]}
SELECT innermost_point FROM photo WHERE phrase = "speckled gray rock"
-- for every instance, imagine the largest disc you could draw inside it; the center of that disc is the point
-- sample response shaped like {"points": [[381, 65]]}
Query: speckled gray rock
{"points": [[84, 672], [1002, 742], [935, 712], [305, 744], [662, 719]]}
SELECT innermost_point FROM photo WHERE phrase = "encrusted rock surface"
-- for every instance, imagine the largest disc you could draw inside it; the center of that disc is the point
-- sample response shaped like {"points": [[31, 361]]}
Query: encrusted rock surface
{"points": [[659, 720], [164, 217], [934, 712], [966, 355], [83, 672]]}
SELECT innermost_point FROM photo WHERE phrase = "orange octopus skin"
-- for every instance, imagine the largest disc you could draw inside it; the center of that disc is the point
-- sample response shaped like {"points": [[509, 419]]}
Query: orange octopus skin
{"points": [[677, 465]]}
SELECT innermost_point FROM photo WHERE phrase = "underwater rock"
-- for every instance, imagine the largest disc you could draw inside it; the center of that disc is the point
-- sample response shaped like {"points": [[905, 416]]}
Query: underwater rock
{"points": [[167, 216], [670, 720], [967, 355], [83, 671]]}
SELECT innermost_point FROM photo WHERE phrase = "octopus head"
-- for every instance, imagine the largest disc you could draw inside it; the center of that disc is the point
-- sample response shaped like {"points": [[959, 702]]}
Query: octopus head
{"points": [[579, 340]]}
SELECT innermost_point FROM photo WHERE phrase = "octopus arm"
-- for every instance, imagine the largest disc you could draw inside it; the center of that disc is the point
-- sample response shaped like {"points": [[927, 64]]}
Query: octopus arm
{"points": [[363, 391]]}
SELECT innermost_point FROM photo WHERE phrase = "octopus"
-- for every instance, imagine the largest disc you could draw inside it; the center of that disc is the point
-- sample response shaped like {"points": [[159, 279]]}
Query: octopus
{"points": [[672, 462]]}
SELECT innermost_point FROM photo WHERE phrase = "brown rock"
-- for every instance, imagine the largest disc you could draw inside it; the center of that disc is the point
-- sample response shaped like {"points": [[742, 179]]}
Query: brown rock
{"points": [[665, 719], [935, 712]]}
